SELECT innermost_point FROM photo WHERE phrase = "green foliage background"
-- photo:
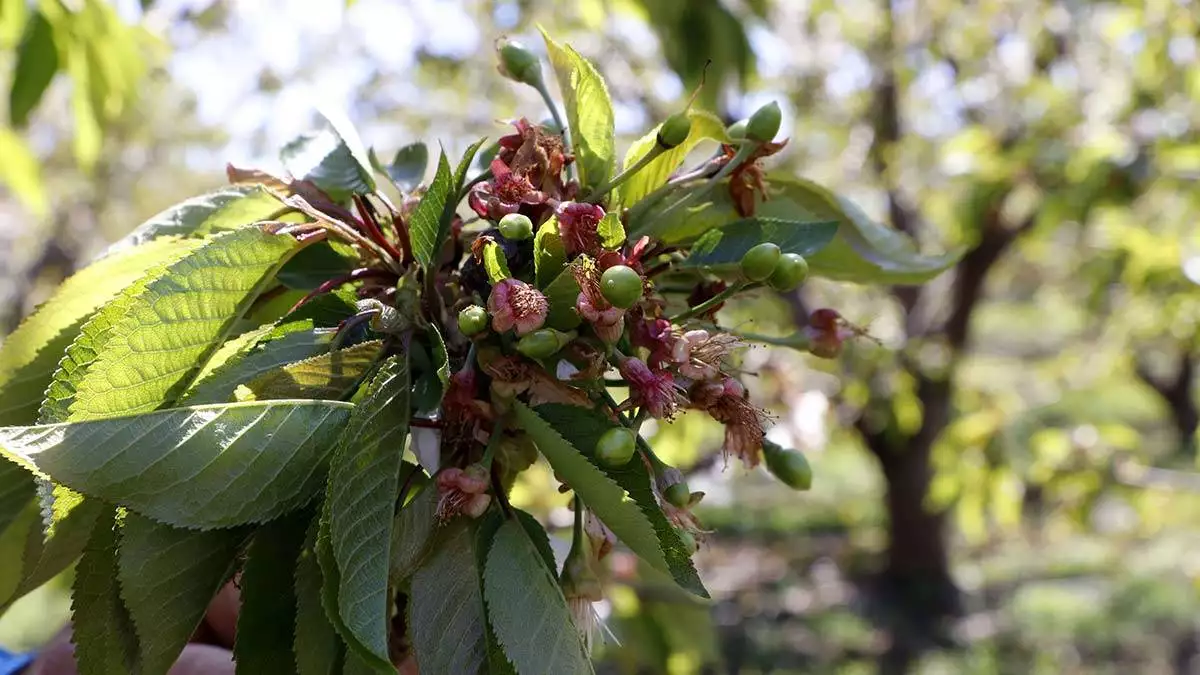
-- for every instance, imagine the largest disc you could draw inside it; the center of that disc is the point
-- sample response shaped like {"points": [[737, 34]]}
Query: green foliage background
{"points": [[1048, 380]]}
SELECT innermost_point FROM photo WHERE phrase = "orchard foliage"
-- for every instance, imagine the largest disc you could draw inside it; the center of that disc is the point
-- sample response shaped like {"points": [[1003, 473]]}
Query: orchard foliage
{"points": [[326, 383]]}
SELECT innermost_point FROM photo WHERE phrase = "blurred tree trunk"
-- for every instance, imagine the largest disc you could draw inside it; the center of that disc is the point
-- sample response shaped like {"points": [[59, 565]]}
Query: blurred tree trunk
{"points": [[1176, 392]]}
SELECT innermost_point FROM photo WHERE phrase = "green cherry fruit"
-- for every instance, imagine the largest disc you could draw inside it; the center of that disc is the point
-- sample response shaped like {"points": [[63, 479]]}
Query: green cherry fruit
{"points": [[737, 130], [516, 227], [789, 466], [473, 320], [678, 495], [518, 63], [674, 130], [791, 271], [764, 123], [615, 447], [540, 344], [621, 286], [760, 262]]}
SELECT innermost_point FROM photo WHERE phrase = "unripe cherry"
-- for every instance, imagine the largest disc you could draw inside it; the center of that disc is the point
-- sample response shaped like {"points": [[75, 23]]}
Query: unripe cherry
{"points": [[518, 63], [764, 123], [615, 447], [472, 320], [790, 272], [516, 227], [674, 130], [789, 466], [760, 262], [621, 286], [678, 495], [541, 344]]}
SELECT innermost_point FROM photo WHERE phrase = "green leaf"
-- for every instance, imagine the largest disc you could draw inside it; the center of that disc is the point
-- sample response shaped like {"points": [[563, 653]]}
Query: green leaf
{"points": [[330, 584], [526, 608], [705, 126], [316, 645], [549, 255], [30, 354], [460, 177], [167, 577], [445, 606], [867, 251], [589, 113], [607, 499], [862, 251], [409, 165], [612, 232], [262, 357], [561, 295], [144, 348], [495, 263], [329, 376], [485, 534], [425, 224], [14, 14], [317, 264], [363, 481], [727, 245], [12, 543], [539, 537], [37, 62], [88, 139], [200, 467], [583, 428], [44, 556], [332, 157], [412, 535], [21, 172], [219, 211], [103, 633], [267, 620]]}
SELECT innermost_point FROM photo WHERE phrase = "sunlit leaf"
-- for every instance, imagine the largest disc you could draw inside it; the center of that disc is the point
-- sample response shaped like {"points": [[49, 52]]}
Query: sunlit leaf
{"points": [[200, 467], [600, 493], [705, 126], [144, 348], [495, 263], [30, 355], [589, 112], [425, 222], [21, 172], [226, 209], [329, 376]]}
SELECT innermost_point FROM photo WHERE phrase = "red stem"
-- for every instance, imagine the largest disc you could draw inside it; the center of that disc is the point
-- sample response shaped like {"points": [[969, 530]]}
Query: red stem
{"points": [[372, 229], [360, 273]]}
